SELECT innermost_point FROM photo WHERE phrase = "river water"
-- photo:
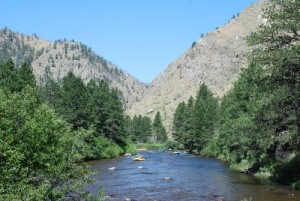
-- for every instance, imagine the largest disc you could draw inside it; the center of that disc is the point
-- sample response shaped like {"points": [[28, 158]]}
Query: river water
{"points": [[170, 177]]}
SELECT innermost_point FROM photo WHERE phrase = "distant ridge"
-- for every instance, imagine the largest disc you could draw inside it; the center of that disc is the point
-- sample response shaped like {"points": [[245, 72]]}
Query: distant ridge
{"points": [[57, 59]]}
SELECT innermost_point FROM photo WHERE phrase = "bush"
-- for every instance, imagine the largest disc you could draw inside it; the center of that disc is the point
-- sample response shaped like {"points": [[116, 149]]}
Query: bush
{"points": [[296, 185], [212, 148], [150, 146], [130, 148], [172, 145], [105, 148], [38, 151]]}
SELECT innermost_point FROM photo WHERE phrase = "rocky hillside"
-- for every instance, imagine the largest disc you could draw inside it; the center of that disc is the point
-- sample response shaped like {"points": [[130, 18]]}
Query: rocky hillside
{"points": [[216, 59], [56, 59]]}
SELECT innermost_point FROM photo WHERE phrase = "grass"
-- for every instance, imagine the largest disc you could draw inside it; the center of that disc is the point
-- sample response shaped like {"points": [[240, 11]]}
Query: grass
{"points": [[151, 146]]}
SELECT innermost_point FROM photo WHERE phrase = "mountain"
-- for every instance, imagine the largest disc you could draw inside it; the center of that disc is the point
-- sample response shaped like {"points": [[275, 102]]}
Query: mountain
{"points": [[56, 59], [216, 60]]}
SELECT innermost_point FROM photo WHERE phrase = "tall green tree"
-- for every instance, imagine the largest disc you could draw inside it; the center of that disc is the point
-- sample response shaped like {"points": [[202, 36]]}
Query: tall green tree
{"points": [[74, 101], [179, 122], [114, 125], [51, 94], [25, 77], [204, 117], [141, 129], [13, 79], [277, 52], [260, 115], [159, 129], [188, 139], [8, 75], [237, 132]]}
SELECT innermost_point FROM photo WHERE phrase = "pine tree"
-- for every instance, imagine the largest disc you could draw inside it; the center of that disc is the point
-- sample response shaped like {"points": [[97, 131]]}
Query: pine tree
{"points": [[114, 124], [94, 105], [158, 129], [74, 101], [278, 54], [204, 117], [8, 75], [188, 139], [141, 129], [25, 77], [179, 122], [51, 94]]}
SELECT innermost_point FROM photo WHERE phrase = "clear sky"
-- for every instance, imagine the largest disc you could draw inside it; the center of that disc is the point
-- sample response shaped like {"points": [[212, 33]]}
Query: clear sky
{"points": [[141, 36]]}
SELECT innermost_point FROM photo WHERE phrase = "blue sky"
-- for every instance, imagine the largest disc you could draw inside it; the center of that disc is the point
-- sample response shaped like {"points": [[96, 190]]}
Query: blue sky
{"points": [[141, 36]]}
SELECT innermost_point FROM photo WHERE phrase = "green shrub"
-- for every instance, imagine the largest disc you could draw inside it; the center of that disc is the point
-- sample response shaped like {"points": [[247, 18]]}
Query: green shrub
{"points": [[105, 148], [172, 145], [151, 146], [130, 148], [38, 152], [211, 149], [296, 185]]}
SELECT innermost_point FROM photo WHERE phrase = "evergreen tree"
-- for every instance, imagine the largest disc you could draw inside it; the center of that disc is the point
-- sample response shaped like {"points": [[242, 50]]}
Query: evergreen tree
{"points": [[179, 122], [188, 139], [8, 75], [260, 115], [141, 129], [114, 124], [51, 94], [204, 117], [238, 109], [25, 77], [74, 101], [278, 54], [158, 129], [94, 105], [128, 126]]}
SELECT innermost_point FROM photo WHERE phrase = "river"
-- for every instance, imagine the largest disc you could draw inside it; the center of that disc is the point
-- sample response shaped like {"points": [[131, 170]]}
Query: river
{"points": [[170, 177]]}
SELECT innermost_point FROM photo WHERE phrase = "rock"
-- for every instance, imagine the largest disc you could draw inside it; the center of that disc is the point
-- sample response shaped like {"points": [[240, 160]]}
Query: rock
{"points": [[127, 199], [128, 154], [150, 111], [112, 168], [167, 178], [141, 167]]}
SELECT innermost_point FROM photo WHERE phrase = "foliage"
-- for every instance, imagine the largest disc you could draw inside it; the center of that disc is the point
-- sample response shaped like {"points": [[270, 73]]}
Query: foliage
{"points": [[42, 149], [296, 185], [141, 129], [130, 148], [14, 79], [159, 130], [151, 146], [204, 118], [73, 101], [39, 152], [195, 122], [106, 148], [92, 106]]}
